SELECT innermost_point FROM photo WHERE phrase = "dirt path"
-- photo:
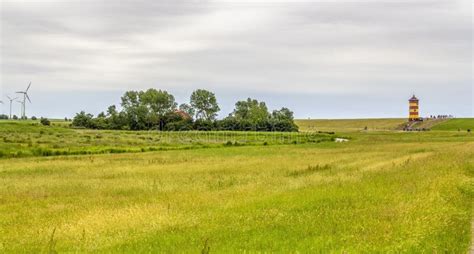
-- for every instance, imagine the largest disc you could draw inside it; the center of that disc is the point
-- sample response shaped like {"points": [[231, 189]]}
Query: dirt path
{"points": [[426, 124]]}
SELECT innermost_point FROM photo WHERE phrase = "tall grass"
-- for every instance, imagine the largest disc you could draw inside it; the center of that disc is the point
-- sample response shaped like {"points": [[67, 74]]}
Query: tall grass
{"points": [[378, 193]]}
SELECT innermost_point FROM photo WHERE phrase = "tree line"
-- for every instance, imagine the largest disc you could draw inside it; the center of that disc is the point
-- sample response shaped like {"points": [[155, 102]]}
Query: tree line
{"points": [[157, 110]]}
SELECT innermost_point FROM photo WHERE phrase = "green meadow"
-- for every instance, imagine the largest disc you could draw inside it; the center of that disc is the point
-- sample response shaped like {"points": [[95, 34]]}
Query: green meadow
{"points": [[461, 124], [384, 191], [350, 124]]}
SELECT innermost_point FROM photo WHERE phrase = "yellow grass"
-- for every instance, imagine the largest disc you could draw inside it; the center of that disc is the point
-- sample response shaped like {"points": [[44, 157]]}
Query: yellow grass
{"points": [[399, 193]]}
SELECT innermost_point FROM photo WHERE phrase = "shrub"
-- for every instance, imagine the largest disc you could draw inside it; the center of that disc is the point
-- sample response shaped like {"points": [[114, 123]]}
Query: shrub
{"points": [[45, 121], [82, 120], [204, 125], [34, 118], [182, 125]]}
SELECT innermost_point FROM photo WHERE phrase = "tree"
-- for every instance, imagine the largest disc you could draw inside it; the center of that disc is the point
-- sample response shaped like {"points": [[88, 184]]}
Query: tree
{"points": [[251, 110], [186, 108], [177, 121], [135, 112], [115, 120], [284, 114], [82, 120], [204, 104], [156, 109], [158, 101], [130, 104], [147, 110]]}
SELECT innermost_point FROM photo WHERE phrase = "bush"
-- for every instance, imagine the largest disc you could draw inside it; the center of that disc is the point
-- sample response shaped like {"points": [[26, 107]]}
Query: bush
{"points": [[2, 116], [204, 125], [82, 120], [228, 124], [45, 121], [183, 125], [34, 118]]}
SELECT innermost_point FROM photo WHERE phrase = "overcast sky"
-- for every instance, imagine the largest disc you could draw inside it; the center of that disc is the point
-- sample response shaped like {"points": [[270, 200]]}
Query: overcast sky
{"points": [[322, 59]]}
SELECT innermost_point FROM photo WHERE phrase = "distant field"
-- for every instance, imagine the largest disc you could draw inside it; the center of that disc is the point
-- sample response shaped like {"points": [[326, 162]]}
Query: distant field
{"points": [[381, 192], [455, 124], [344, 125], [350, 124]]}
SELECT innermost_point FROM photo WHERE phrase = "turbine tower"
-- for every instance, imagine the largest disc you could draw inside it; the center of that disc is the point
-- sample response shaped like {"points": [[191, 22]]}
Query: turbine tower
{"points": [[23, 104], [21, 109], [11, 100]]}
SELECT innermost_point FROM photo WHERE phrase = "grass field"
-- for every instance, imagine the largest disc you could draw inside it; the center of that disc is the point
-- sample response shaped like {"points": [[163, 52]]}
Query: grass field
{"points": [[350, 124], [388, 124], [383, 191], [456, 124]]}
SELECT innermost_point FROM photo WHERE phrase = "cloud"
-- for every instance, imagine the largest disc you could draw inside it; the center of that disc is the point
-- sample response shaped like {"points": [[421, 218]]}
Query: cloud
{"points": [[318, 48]]}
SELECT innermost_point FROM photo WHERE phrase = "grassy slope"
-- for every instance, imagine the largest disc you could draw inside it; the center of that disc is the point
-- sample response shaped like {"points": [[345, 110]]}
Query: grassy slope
{"points": [[24, 139], [345, 125], [350, 124], [455, 124], [381, 192]]}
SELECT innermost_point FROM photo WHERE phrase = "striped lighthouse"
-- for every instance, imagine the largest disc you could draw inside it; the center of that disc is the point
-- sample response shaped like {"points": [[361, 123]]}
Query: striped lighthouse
{"points": [[414, 109]]}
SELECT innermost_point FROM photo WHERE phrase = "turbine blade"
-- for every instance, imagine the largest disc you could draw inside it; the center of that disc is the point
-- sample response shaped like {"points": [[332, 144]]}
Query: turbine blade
{"points": [[9, 97], [28, 97], [19, 92], [28, 87]]}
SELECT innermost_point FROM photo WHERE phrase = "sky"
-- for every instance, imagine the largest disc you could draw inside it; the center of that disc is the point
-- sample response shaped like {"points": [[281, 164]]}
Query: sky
{"points": [[321, 59]]}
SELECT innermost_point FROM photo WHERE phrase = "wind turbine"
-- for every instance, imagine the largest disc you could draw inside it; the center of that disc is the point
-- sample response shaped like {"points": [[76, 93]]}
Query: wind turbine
{"points": [[11, 100], [21, 109], [25, 96]]}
